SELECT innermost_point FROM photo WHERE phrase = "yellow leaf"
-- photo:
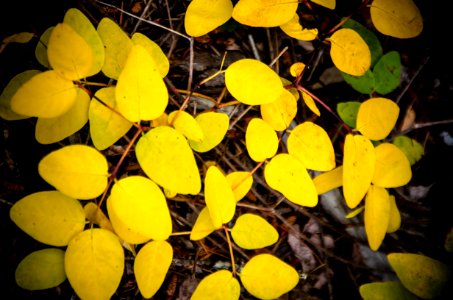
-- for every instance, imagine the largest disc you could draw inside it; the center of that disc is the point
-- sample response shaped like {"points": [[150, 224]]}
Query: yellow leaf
{"points": [[141, 93], [106, 125], [240, 182], [83, 26], [264, 13], [42, 269], [355, 212], [49, 217], [218, 285], [377, 215], [293, 29], [389, 290], [69, 54], [329, 180], [21, 37], [94, 264], [162, 120], [308, 100], [214, 126], [45, 95], [400, 19], [280, 113], [358, 168], [377, 117], [78, 171], [252, 82], [286, 174], [151, 265], [203, 226], [141, 207], [156, 53], [392, 167], [422, 275], [261, 140], [296, 69], [395, 217], [330, 4], [41, 47], [253, 232], [8, 92], [203, 16], [267, 277], [219, 197], [96, 216], [52, 130], [186, 124], [167, 159], [310, 144], [117, 46], [349, 52]]}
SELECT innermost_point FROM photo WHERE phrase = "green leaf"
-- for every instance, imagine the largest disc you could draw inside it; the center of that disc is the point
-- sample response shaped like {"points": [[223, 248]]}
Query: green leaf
{"points": [[422, 275], [49, 217], [42, 269], [410, 147], [218, 285], [387, 73], [388, 290], [94, 264], [348, 112], [364, 84], [253, 232]]}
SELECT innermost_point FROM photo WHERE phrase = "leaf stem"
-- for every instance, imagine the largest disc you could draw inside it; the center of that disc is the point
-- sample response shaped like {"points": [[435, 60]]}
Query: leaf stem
{"points": [[230, 247]]}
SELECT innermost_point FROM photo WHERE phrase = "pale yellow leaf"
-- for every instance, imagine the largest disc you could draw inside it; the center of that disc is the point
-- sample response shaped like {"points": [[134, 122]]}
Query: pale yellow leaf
{"points": [[286, 174], [261, 140], [186, 124], [220, 285], [94, 264], [395, 216], [156, 53], [214, 126], [264, 13], [330, 4], [203, 226], [349, 52], [388, 290], [377, 215], [162, 120], [41, 48], [167, 159], [311, 104], [309, 143], [95, 215], [78, 171], [49, 217], [253, 232], [267, 277], [329, 180], [252, 82], [280, 113], [240, 182], [392, 167], [293, 29], [203, 16], [151, 265], [358, 168]]}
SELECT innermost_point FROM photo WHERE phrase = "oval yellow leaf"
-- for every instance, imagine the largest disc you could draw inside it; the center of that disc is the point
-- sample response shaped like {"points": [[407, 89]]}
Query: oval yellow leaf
{"points": [[218, 285], [253, 232], [392, 167], [261, 140], [349, 52], [310, 144], [252, 82], [388, 290], [286, 174], [94, 264], [106, 125], [219, 197], [49, 217], [329, 180], [186, 124], [296, 69], [377, 215], [203, 16], [117, 46], [52, 130], [140, 92], [50, 95], [311, 104], [280, 113], [140, 205], [78, 171], [264, 13], [377, 117], [214, 126], [240, 182], [358, 168], [42, 269], [167, 159], [293, 29], [68, 53], [156, 53], [268, 277], [422, 275], [151, 265], [395, 216], [83, 26], [400, 19], [203, 226]]}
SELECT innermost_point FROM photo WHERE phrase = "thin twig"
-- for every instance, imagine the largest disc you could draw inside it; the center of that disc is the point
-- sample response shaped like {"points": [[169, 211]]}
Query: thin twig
{"points": [[142, 16], [425, 61]]}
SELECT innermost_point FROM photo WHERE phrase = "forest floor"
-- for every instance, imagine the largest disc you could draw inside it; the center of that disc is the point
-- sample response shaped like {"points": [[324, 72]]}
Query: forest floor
{"points": [[337, 251]]}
